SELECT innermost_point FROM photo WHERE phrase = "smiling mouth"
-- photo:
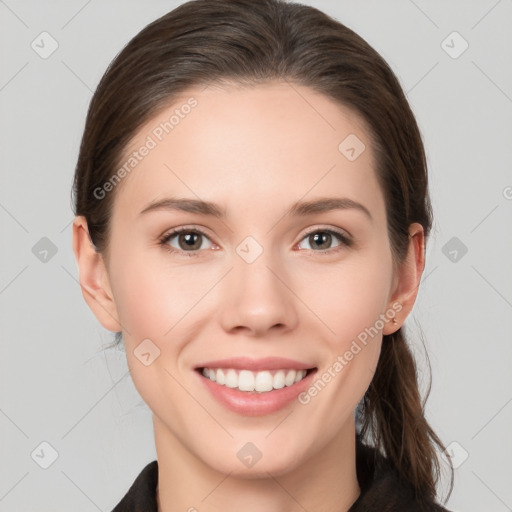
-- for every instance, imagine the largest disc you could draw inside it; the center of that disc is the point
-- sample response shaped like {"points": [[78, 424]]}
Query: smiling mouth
{"points": [[258, 381]]}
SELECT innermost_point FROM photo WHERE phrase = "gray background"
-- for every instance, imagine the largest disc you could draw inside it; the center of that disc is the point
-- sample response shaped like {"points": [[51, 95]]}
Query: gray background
{"points": [[58, 385]]}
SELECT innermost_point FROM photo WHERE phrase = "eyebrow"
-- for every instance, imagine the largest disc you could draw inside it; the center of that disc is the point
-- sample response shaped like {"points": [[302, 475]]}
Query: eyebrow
{"points": [[299, 209]]}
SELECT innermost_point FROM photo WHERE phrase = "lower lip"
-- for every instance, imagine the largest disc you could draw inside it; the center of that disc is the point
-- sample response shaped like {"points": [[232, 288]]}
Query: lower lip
{"points": [[253, 403]]}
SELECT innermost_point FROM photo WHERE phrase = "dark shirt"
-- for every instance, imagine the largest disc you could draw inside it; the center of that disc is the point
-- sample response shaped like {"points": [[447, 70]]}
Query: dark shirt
{"points": [[381, 489]]}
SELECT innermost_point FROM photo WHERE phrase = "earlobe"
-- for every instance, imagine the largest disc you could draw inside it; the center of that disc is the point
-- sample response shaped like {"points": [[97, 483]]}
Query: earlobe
{"points": [[93, 277], [407, 279]]}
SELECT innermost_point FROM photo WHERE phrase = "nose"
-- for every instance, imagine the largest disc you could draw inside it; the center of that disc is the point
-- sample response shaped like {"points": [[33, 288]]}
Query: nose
{"points": [[257, 298]]}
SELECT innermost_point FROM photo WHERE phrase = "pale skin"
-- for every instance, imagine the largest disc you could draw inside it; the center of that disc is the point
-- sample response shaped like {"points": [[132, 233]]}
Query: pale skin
{"points": [[254, 152]]}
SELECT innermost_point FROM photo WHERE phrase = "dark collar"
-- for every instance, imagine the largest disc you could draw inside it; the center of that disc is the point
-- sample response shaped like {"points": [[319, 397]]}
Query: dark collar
{"points": [[381, 488]]}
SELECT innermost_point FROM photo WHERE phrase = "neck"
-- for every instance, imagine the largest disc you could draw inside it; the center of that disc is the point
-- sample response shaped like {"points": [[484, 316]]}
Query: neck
{"points": [[326, 482]]}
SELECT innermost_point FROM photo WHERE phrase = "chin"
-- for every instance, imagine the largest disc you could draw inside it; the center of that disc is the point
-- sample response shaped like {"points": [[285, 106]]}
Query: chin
{"points": [[250, 463]]}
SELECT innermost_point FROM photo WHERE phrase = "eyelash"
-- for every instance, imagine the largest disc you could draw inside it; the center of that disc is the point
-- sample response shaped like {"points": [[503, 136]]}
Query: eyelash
{"points": [[163, 241]]}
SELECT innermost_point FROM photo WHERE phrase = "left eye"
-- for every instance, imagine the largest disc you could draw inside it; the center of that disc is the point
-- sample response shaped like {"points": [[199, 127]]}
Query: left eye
{"points": [[323, 238]]}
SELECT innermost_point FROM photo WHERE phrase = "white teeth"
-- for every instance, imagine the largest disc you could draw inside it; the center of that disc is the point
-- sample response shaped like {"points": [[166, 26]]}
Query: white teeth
{"points": [[246, 380], [231, 379], [264, 382], [279, 379], [290, 378], [220, 377]]}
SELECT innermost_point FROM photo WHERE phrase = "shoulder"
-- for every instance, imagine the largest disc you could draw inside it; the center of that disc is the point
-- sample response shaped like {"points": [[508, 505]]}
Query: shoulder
{"points": [[142, 494], [381, 488]]}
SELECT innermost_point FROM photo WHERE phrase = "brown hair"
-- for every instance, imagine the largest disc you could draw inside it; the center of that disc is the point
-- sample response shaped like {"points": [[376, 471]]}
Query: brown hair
{"points": [[248, 42]]}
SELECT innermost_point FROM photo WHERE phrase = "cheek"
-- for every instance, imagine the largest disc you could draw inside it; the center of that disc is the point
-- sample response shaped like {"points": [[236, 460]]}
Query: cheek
{"points": [[151, 296], [347, 298], [363, 302]]}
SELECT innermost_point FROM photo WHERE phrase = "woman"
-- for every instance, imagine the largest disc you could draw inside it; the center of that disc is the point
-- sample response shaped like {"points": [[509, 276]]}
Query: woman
{"points": [[252, 209]]}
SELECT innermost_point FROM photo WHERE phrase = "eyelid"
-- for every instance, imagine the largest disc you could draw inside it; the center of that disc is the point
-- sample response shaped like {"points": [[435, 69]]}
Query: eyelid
{"points": [[342, 232], [192, 227]]}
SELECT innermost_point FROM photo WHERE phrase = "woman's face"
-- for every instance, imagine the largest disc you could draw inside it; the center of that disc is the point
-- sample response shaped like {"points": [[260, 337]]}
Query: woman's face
{"points": [[278, 275]]}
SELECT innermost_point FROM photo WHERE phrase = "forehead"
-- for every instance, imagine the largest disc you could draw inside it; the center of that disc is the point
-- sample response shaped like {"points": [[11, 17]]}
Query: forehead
{"points": [[243, 145]]}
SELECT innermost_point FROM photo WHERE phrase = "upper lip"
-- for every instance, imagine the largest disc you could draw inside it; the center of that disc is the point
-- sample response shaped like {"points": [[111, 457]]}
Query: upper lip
{"points": [[266, 363]]}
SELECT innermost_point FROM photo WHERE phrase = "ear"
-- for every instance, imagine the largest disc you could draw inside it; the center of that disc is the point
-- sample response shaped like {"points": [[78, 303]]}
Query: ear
{"points": [[407, 279], [93, 277]]}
